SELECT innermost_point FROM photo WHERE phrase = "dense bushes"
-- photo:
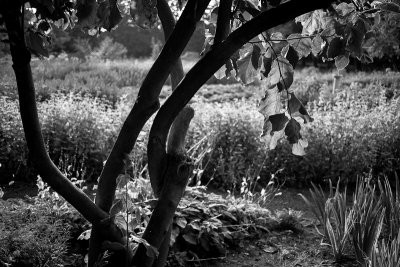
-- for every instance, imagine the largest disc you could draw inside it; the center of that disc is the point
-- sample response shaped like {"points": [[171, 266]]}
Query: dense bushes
{"points": [[36, 235], [355, 129]]}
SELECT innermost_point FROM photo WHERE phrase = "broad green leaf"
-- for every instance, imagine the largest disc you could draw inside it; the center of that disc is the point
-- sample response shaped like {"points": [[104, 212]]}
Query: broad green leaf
{"points": [[281, 71], [328, 34], [266, 63], [336, 47], [291, 55], [297, 109], [317, 45], [87, 13], [278, 122], [292, 131], [151, 251], [255, 57], [277, 37], [144, 13], [298, 148], [345, 9], [35, 43], [120, 221], [181, 222], [122, 180], [116, 207], [270, 105], [1, 193], [190, 238], [85, 235], [109, 14], [246, 71], [274, 138], [313, 21], [221, 73], [174, 234], [342, 61], [301, 43], [355, 37], [214, 15]]}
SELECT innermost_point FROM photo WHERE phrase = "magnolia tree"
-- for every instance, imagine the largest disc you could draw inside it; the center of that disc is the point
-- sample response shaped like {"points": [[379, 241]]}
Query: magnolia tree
{"points": [[239, 44]]}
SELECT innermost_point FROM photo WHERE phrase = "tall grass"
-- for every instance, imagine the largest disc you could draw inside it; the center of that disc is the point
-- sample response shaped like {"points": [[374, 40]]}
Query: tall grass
{"points": [[361, 221]]}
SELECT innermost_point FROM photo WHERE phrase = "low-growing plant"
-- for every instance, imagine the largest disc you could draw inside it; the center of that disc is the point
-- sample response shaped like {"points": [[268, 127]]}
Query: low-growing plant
{"points": [[39, 231], [339, 223], [368, 220], [288, 219], [387, 253], [390, 200], [317, 203]]}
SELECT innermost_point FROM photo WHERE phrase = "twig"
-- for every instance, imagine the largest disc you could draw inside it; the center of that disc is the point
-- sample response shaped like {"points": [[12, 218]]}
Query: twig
{"points": [[207, 259]]}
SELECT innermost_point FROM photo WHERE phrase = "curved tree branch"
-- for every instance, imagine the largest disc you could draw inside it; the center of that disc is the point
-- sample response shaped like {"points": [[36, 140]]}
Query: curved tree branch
{"points": [[146, 104], [223, 21], [49, 172], [220, 53]]}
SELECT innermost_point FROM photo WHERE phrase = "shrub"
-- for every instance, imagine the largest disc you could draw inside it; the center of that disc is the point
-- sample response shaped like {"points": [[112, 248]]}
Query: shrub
{"points": [[232, 130], [78, 132], [31, 235], [108, 49]]}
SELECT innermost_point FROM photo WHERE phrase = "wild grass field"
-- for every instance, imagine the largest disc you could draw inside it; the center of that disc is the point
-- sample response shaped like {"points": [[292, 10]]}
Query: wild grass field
{"points": [[250, 221]]}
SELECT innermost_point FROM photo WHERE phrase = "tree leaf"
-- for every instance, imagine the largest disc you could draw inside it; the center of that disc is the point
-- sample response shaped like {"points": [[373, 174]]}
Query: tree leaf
{"points": [[291, 55], [342, 61], [85, 235], [221, 73], [190, 238], [144, 13], [174, 234], [255, 57], [270, 105], [292, 131], [355, 37], [345, 9], [336, 47], [328, 34], [214, 15], [281, 71], [35, 43], [116, 207], [301, 43], [122, 180], [181, 222], [151, 251], [278, 121], [298, 148], [297, 109], [267, 63], [276, 37], [246, 71], [109, 14], [87, 13], [317, 45], [313, 21], [120, 221]]}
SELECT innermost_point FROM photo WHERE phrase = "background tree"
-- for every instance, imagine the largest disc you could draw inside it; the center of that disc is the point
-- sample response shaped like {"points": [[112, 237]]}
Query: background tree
{"points": [[238, 44]]}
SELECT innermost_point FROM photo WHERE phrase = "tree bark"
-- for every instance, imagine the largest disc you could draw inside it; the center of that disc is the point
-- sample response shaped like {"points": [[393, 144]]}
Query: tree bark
{"points": [[146, 104], [48, 171]]}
